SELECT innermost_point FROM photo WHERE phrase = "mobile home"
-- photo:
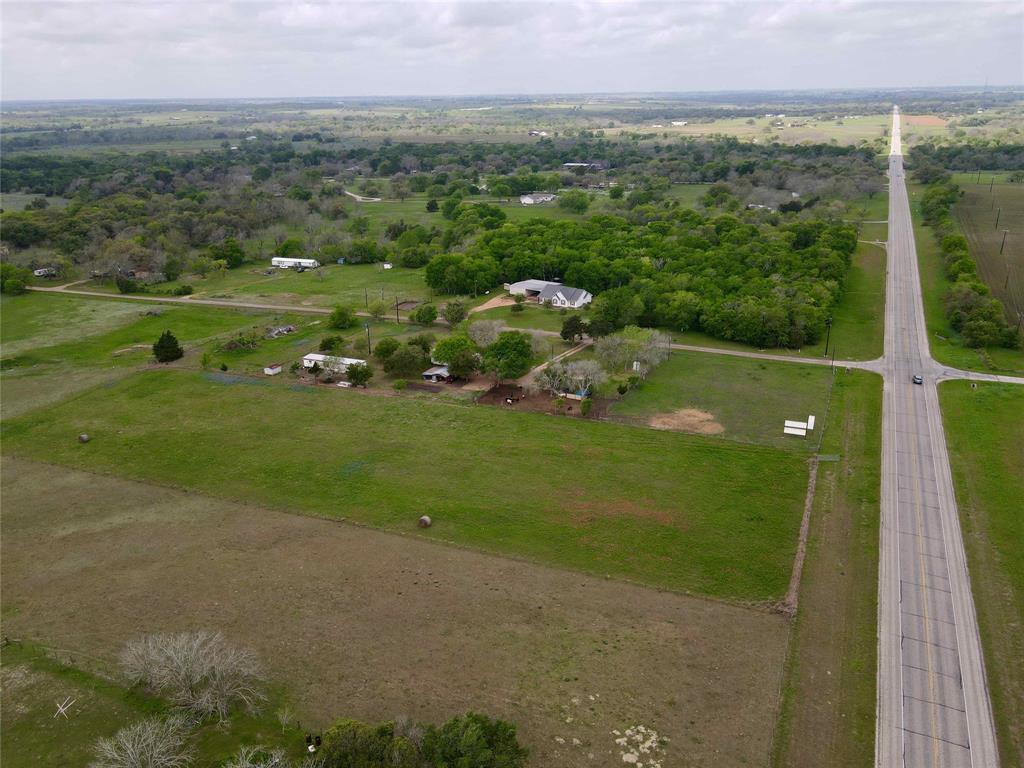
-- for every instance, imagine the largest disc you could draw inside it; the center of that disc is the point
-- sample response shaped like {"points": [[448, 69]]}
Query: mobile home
{"points": [[282, 263]]}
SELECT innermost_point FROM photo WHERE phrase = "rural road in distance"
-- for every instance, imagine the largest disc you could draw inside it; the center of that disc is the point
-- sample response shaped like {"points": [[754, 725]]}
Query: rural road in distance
{"points": [[933, 700]]}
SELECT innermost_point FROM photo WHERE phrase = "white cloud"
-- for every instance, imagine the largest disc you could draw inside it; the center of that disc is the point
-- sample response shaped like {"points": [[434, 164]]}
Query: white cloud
{"points": [[152, 48]]}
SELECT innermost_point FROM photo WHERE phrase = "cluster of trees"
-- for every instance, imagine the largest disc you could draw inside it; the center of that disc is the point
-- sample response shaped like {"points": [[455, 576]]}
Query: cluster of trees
{"points": [[202, 676], [468, 740], [979, 317], [485, 346], [770, 285], [985, 154]]}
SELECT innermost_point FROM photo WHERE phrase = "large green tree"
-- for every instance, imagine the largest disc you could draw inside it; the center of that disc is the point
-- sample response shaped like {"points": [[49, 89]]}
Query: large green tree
{"points": [[509, 357]]}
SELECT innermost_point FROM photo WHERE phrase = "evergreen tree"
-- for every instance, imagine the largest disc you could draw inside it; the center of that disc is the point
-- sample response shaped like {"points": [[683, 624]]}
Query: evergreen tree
{"points": [[167, 349]]}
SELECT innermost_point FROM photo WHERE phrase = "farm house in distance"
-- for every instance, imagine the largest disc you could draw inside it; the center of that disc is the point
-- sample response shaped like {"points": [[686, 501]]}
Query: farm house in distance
{"points": [[548, 291], [536, 198]]}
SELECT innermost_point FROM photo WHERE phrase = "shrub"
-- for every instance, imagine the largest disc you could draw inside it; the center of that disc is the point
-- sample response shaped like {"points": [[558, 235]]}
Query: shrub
{"points": [[183, 290], [359, 374], [424, 314], [167, 349], [473, 740], [454, 312], [407, 361], [342, 317], [385, 348], [127, 285], [586, 405], [13, 279], [332, 344], [349, 743], [15, 287], [400, 384], [424, 341]]}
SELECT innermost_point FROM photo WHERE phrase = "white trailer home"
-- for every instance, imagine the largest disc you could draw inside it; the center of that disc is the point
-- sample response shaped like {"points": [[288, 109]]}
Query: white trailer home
{"points": [[283, 263], [329, 362]]}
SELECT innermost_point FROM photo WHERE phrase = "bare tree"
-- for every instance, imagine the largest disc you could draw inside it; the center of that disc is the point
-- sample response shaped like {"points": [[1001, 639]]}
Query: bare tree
{"points": [[577, 376], [159, 742], [407, 728], [485, 332], [641, 349], [197, 671], [258, 757]]}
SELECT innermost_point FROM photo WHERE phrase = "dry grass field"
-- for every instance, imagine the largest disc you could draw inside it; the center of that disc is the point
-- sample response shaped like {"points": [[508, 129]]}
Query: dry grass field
{"points": [[366, 624]]}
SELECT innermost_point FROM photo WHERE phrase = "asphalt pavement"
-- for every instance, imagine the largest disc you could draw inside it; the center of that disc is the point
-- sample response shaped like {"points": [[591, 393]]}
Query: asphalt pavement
{"points": [[933, 701]]}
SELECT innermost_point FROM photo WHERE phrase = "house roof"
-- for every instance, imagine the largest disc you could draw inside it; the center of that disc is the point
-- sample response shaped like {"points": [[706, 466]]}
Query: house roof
{"points": [[532, 285], [437, 370], [570, 293]]}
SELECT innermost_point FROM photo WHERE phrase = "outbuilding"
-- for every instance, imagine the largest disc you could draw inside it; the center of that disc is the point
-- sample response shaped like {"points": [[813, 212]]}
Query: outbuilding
{"points": [[272, 370], [437, 374]]}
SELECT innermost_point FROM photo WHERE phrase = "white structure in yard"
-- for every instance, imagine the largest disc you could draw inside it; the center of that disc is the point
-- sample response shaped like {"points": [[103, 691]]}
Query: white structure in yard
{"points": [[547, 291], [330, 362], [272, 370], [536, 198], [285, 263]]}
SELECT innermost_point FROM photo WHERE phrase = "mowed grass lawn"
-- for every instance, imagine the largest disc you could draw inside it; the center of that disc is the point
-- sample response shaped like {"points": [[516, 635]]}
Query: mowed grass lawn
{"points": [[55, 345], [984, 428], [351, 284], [669, 510], [750, 399]]}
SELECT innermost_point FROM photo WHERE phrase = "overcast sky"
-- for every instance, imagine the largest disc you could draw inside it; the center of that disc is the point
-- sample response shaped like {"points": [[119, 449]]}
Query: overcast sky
{"points": [[190, 49]]}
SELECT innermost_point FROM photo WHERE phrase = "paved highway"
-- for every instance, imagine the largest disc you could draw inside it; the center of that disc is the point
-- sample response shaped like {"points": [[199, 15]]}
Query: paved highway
{"points": [[933, 702]]}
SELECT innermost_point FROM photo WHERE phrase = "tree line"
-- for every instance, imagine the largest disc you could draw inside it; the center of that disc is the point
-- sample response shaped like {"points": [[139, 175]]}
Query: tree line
{"points": [[769, 285]]}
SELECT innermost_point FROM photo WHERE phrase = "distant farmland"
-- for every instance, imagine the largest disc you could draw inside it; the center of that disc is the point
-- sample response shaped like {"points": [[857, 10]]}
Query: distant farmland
{"points": [[976, 212]]}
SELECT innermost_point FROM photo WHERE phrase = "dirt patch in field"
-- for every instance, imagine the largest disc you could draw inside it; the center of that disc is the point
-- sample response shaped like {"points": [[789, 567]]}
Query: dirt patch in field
{"points": [[688, 420], [498, 301], [132, 348], [360, 623], [515, 397], [930, 120]]}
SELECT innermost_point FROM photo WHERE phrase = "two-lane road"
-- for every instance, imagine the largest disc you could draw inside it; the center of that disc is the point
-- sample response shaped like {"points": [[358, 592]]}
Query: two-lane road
{"points": [[933, 703]]}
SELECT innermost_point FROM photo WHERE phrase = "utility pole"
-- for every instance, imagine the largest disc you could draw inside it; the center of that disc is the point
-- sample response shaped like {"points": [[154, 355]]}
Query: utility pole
{"points": [[990, 183], [397, 318], [828, 333], [998, 214], [366, 325], [979, 177], [366, 297], [1003, 244]]}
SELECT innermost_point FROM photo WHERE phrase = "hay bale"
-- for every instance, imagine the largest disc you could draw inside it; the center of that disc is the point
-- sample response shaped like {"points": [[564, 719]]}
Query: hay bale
{"points": [[84, 438], [425, 522]]}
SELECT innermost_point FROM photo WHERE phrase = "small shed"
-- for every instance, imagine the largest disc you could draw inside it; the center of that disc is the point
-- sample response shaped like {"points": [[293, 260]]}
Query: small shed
{"points": [[272, 370], [437, 374]]}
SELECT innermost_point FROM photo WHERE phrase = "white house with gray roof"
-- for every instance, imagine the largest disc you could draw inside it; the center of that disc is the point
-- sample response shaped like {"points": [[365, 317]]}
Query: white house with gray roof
{"points": [[556, 294]]}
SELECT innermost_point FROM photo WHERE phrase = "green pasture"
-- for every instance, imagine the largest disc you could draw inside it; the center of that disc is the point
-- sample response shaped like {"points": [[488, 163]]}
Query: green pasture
{"points": [[749, 398], [984, 426], [707, 516]]}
